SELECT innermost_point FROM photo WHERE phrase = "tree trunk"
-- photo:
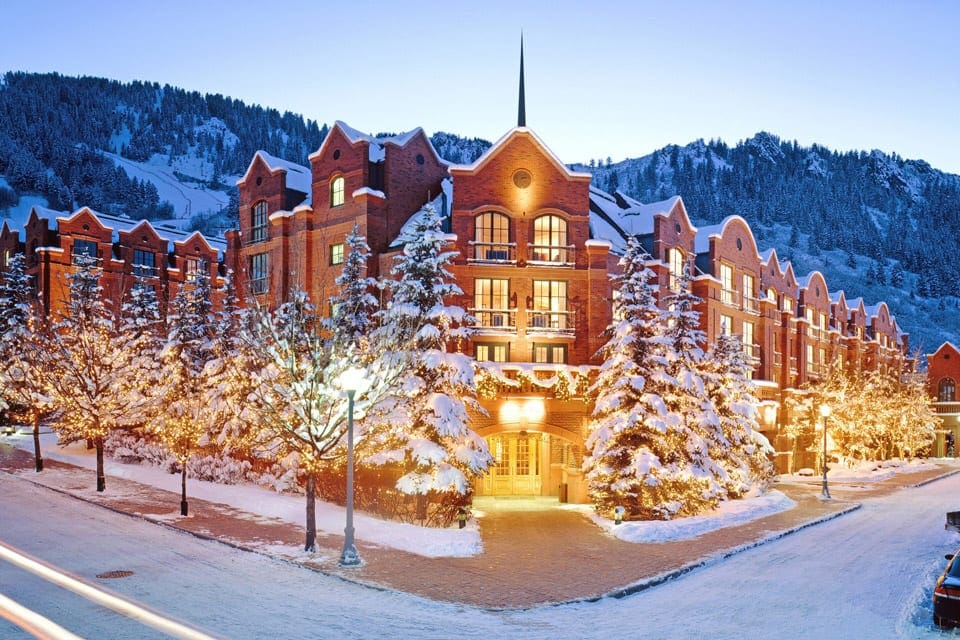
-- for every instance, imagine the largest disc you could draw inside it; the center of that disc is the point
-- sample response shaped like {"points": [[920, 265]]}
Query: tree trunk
{"points": [[101, 478], [183, 488], [36, 441], [311, 543]]}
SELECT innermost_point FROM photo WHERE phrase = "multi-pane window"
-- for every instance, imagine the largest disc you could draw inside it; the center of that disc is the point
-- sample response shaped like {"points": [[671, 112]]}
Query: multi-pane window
{"points": [[336, 253], [747, 285], [337, 186], [84, 248], [144, 263], [492, 237], [676, 267], [550, 239], [491, 351], [491, 301], [191, 269], [788, 304], [259, 221], [523, 456], [726, 325], [501, 456], [726, 282], [808, 314], [748, 337], [259, 273], [549, 353], [946, 390], [823, 321], [549, 305], [823, 358], [811, 366]]}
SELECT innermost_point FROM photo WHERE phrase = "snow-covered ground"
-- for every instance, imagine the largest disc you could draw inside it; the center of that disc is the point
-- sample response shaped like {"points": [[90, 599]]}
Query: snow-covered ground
{"points": [[420, 540], [868, 574]]}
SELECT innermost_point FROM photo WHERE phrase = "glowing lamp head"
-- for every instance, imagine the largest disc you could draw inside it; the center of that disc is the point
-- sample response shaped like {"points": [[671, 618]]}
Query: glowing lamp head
{"points": [[352, 379], [825, 410]]}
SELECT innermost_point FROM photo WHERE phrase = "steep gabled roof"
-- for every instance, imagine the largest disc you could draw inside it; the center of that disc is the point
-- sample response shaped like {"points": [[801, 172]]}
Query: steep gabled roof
{"points": [[487, 155], [171, 234], [376, 151], [620, 215], [299, 177]]}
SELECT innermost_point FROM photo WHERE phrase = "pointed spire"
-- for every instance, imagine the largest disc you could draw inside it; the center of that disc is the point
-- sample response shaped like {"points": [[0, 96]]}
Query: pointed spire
{"points": [[522, 110]]}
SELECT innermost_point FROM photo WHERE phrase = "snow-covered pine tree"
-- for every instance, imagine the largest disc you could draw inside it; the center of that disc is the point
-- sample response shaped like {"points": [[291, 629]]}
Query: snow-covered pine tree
{"points": [[424, 427], [96, 376], [695, 461], [184, 413], [747, 458], [354, 305], [22, 346], [633, 439]]}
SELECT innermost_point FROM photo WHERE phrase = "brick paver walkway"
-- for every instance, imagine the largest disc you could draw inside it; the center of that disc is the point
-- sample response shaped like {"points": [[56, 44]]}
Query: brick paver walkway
{"points": [[530, 557]]}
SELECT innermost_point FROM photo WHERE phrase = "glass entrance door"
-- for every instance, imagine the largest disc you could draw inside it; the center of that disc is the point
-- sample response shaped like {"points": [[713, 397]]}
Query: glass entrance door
{"points": [[516, 467]]}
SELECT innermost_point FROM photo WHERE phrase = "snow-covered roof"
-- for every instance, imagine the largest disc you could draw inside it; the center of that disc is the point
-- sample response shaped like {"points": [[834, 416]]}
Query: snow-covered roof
{"points": [[446, 195], [701, 242], [837, 295], [519, 131], [169, 233], [766, 254], [376, 151], [942, 347], [805, 281], [624, 215], [874, 309], [299, 177]]}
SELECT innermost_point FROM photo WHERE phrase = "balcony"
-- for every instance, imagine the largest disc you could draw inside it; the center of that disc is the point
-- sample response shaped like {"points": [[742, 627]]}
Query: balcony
{"points": [[753, 353], [552, 255], [730, 297], [259, 285], [751, 305], [777, 359], [494, 321], [493, 252], [948, 408], [561, 322]]}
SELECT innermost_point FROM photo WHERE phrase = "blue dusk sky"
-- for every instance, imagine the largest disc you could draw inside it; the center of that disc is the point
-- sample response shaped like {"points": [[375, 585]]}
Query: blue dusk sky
{"points": [[616, 79]]}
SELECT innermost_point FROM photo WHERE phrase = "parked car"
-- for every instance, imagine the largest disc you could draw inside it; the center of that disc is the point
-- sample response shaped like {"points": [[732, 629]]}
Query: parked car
{"points": [[946, 595]]}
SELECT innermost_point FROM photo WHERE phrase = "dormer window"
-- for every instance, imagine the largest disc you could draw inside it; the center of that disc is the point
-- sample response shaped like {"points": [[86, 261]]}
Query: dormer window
{"points": [[258, 222], [144, 264], [337, 186]]}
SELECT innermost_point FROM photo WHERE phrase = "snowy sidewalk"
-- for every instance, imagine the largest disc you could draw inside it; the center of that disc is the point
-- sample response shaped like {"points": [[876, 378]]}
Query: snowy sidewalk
{"points": [[530, 557]]}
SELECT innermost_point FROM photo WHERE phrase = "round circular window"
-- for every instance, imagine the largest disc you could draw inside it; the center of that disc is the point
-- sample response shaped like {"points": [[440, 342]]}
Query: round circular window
{"points": [[419, 158], [336, 154], [522, 178]]}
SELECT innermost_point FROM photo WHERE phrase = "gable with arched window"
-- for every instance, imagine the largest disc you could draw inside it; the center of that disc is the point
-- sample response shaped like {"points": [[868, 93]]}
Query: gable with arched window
{"points": [[946, 390], [491, 237], [550, 240], [259, 221], [337, 187]]}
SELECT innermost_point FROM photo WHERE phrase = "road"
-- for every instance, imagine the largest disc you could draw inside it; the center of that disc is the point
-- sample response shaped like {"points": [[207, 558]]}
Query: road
{"points": [[865, 575]]}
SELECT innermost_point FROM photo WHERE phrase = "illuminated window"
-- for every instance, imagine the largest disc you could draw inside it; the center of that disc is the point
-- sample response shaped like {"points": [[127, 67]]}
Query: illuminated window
{"points": [[675, 257], [726, 325], [550, 239], [259, 273], [748, 338], [337, 186], [191, 269], [549, 305], [747, 285], [523, 456], [810, 364], [336, 253], [491, 237], [823, 321], [726, 282], [258, 222], [144, 263], [946, 390], [772, 294], [549, 353], [788, 304], [501, 456], [491, 352], [491, 300]]}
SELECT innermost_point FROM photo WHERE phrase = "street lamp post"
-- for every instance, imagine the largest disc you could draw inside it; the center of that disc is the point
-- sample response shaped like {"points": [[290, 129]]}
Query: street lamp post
{"points": [[825, 412], [350, 381]]}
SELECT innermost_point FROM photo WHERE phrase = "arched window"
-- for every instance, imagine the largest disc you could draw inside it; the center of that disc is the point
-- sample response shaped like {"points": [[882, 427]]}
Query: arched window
{"points": [[947, 390], [550, 240], [492, 237], [336, 191], [258, 222]]}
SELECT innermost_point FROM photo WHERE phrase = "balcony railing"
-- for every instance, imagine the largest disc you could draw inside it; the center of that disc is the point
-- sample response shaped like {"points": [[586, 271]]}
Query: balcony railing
{"points": [[947, 407], [730, 297], [753, 352], [495, 320], [552, 254], [495, 252], [550, 322], [751, 304], [777, 359], [259, 285]]}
